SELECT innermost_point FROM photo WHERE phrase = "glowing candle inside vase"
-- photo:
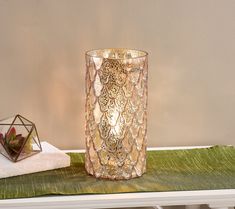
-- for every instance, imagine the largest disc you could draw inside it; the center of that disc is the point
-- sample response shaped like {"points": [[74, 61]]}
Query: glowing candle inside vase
{"points": [[116, 113]]}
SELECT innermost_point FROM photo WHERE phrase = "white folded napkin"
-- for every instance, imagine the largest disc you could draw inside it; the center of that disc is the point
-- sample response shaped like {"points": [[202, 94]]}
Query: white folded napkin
{"points": [[50, 158]]}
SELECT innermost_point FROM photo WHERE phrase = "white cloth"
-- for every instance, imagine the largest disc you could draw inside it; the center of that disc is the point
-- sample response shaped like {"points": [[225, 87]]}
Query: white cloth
{"points": [[50, 158]]}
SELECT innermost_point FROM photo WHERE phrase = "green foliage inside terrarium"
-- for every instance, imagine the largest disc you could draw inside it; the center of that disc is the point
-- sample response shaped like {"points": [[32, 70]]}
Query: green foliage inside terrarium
{"points": [[13, 142]]}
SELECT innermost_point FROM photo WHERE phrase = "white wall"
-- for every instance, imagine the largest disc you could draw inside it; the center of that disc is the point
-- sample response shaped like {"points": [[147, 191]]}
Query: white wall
{"points": [[191, 64]]}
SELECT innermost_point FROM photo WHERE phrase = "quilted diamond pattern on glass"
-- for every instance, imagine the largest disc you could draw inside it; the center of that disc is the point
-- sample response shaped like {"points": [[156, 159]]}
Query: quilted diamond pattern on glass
{"points": [[116, 113]]}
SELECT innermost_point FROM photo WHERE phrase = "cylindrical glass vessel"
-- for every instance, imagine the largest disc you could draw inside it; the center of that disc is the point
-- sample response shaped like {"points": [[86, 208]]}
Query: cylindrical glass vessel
{"points": [[116, 113]]}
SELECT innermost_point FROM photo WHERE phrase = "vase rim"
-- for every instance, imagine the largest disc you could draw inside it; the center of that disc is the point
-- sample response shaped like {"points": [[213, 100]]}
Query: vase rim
{"points": [[103, 53]]}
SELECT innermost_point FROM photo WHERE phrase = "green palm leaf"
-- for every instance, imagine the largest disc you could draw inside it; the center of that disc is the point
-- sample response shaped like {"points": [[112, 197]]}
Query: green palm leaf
{"points": [[172, 170]]}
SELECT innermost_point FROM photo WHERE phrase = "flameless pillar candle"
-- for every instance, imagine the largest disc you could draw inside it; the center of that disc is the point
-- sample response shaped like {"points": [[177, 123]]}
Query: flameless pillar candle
{"points": [[116, 113]]}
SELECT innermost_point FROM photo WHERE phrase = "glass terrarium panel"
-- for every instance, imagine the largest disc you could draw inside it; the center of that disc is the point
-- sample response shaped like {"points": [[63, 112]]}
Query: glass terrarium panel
{"points": [[32, 145], [8, 120]]}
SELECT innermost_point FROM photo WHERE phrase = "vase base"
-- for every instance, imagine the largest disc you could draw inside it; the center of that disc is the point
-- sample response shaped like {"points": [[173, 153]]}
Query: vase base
{"points": [[114, 177]]}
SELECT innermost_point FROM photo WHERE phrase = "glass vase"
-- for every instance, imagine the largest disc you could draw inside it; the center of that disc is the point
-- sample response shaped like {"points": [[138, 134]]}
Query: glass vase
{"points": [[116, 113]]}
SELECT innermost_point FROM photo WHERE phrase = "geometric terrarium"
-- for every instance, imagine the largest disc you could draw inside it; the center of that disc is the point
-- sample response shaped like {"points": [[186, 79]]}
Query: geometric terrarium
{"points": [[18, 138]]}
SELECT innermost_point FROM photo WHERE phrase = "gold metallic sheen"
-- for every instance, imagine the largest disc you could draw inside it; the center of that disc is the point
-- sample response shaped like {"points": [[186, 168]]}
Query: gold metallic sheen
{"points": [[116, 113]]}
